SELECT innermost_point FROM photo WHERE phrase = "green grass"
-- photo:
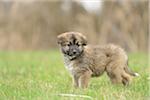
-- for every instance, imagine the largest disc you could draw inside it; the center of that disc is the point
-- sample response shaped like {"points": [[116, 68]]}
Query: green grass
{"points": [[42, 76]]}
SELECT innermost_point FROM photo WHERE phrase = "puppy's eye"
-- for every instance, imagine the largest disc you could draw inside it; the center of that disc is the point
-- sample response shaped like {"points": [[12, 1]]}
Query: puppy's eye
{"points": [[78, 44], [68, 44]]}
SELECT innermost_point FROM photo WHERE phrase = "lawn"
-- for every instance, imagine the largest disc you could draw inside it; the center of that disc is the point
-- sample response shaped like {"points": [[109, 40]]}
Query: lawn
{"points": [[42, 76]]}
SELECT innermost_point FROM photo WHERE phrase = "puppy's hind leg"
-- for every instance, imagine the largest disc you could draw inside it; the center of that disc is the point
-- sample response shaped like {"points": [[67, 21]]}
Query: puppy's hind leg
{"points": [[126, 78], [113, 71], [115, 78], [119, 76]]}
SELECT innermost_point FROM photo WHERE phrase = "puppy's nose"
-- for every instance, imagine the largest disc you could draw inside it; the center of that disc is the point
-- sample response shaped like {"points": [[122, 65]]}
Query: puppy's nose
{"points": [[74, 51]]}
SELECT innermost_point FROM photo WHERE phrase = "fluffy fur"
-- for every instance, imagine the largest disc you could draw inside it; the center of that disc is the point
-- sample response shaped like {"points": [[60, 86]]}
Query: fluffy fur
{"points": [[84, 61]]}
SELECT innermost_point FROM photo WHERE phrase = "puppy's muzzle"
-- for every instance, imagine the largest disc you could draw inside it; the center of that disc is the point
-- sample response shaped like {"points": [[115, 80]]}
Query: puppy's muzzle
{"points": [[72, 52]]}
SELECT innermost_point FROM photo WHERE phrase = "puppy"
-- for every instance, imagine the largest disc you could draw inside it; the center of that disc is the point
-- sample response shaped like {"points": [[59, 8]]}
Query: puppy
{"points": [[84, 61]]}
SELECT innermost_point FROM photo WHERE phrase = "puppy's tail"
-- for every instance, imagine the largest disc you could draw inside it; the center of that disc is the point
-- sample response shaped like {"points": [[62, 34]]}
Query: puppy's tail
{"points": [[127, 70]]}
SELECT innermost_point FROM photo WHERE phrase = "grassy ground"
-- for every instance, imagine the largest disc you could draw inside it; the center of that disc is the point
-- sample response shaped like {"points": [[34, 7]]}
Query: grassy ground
{"points": [[42, 76]]}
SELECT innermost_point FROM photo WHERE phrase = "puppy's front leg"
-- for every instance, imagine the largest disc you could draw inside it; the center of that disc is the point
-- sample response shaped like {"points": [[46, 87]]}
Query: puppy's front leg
{"points": [[84, 79], [75, 81]]}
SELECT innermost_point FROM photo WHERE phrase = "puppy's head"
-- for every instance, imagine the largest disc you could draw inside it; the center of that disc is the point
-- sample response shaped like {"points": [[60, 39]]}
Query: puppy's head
{"points": [[72, 44]]}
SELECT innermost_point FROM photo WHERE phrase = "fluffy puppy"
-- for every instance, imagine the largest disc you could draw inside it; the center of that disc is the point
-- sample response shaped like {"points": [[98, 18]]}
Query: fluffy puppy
{"points": [[84, 61]]}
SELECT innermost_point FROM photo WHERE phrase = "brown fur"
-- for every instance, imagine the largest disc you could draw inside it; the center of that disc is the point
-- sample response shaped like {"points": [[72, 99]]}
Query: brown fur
{"points": [[94, 61]]}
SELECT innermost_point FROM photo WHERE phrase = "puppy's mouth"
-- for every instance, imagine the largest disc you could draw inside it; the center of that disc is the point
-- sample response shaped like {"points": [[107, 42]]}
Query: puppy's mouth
{"points": [[74, 56]]}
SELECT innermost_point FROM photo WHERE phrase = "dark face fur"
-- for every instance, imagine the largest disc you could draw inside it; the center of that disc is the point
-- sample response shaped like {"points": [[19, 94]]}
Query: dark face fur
{"points": [[72, 44]]}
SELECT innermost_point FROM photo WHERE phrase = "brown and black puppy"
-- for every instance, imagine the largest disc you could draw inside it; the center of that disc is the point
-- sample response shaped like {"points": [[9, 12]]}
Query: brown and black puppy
{"points": [[84, 61]]}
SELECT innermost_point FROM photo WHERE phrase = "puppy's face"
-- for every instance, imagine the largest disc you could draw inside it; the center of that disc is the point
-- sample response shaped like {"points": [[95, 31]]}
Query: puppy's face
{"points": [[72, 44]]}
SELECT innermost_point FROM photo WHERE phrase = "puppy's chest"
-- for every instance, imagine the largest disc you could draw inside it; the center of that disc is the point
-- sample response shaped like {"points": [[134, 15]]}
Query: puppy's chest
{"points": [[74, 67], [70, 67]]}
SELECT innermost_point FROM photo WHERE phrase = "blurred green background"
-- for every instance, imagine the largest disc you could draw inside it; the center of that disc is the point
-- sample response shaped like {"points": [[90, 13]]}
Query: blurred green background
{"points": [[35, 24]]}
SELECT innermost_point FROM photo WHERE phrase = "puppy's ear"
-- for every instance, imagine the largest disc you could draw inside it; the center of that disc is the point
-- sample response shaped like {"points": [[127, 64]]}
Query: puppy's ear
{"points": [[84, 40], [60, 39]]}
